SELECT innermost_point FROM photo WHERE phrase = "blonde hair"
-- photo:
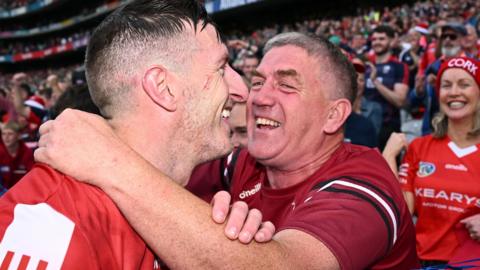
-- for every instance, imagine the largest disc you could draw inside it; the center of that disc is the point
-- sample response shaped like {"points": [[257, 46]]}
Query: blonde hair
{"points": [[440, 125]]}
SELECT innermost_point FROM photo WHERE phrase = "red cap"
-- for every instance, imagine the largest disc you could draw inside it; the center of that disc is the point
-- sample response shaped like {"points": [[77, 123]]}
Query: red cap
{"points": [[470, 65]]}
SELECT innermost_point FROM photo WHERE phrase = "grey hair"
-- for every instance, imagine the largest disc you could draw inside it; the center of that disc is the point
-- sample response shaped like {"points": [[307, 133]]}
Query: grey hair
{"points": [[328, 55]]}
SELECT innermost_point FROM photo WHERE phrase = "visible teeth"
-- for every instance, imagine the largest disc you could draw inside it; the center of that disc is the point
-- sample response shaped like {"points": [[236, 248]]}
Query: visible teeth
{"points": [[267, 122], [225, 113], [456, 104]]}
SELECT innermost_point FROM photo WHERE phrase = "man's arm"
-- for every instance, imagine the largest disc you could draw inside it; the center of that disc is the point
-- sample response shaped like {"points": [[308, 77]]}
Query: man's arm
{"points": [[172, 233], [17, 96], [395, 96], [176, 224]]}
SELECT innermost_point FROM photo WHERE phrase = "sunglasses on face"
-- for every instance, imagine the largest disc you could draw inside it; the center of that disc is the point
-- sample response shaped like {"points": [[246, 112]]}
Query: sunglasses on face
{"points": [[449, 36]]}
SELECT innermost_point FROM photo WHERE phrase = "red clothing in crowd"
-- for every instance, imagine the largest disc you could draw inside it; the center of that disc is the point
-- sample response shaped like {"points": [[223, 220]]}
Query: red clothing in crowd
{"points": [[445, 181], [12, 169]]}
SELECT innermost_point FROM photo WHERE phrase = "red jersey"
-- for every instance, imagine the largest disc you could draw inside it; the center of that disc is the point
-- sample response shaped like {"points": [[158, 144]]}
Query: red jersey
{"points": [[353, 204], [12, 169], [445, 181], [50, 221]]}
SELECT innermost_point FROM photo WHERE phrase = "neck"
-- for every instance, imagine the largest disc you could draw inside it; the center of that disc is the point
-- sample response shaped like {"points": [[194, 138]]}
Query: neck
{"points": [[281, 178], [157, 145], [12, 149], [383, 58], [458, 130]]}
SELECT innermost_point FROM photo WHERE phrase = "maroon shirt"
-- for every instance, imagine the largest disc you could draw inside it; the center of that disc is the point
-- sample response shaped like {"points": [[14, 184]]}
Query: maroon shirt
{"points": [[352, 204]]}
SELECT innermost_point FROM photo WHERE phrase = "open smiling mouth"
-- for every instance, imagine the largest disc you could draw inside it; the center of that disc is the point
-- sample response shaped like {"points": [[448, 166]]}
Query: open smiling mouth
{"points": [[456, 104], [264, 123]]}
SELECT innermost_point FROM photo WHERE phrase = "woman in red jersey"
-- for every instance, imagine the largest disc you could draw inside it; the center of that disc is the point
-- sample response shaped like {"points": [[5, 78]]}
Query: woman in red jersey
{"points": [[440, 173]]}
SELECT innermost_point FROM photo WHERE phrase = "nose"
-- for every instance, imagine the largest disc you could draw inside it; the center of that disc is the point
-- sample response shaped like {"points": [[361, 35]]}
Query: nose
{"points": [[454, 91], [238, 90], [263, 96]]}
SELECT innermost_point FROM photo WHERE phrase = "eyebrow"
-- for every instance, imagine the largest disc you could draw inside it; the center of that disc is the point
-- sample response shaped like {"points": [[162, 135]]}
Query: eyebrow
{"points": [[292, 73]]}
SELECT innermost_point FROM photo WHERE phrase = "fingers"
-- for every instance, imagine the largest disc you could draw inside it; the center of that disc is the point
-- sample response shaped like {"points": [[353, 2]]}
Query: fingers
{"points": [[45, 127], [265, 233], [220, 206], [236, 219], [251, 226]]}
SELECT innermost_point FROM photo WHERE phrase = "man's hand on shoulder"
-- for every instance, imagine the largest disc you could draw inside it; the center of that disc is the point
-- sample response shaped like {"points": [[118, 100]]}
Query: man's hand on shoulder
{"points": [[243, 224], [81, 145]]}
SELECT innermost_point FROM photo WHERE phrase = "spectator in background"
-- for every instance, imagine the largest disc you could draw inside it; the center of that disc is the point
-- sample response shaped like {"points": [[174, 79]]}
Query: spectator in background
{"points": [[76, 97], [424, 93], [440, 172], [30, 108], [358, 129], [470, 43], [359, 44], [411, 55], [250, 63], [238, 125], [386, 86], [16, 159]]}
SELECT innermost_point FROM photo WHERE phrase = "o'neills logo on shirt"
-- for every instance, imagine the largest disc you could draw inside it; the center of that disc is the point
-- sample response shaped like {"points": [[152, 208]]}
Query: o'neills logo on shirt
{"points": [[459, 167], [465, 64], [248, 193]]}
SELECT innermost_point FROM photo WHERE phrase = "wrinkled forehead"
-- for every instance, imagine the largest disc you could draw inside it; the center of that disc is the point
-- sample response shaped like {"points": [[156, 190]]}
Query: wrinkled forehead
{"points": [[287, 57]]}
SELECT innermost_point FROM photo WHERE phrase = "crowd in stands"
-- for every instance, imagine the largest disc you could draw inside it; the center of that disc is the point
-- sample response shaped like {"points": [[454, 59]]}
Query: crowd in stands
{"points": [[11, 4], [46, 22], [15, 47], [397, 53]]}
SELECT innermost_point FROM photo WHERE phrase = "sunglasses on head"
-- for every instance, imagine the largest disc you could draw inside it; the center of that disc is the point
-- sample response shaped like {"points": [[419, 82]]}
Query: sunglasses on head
{"points": [[449, 36]]}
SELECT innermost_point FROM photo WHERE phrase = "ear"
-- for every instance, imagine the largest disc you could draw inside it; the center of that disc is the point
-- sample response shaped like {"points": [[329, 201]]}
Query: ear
{"points": [[337, 115], [155, 85]]}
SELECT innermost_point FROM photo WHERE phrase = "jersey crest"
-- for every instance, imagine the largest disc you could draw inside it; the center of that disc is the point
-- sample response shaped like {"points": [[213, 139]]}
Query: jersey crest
{"points": [[425, 169]]}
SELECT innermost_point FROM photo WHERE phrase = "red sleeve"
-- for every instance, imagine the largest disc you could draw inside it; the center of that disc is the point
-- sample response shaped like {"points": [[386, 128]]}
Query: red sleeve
{"points": [[409, 167], [337, 212], [404, 77]]}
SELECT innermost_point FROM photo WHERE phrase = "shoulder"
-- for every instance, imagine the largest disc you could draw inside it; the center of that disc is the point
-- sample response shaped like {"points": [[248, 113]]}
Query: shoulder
{"points": [[426, 142]]}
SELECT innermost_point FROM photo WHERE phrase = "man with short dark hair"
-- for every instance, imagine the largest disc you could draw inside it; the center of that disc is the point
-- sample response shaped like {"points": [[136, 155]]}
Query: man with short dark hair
{"points": [[386, 86], [336, 205], [250, 63], [157, 71]]}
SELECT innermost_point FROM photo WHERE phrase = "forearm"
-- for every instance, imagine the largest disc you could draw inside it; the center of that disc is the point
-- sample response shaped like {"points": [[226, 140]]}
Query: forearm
{"points": [[391, 96], [391, 161], [18, 102], [179, 228], [410, 199]]}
